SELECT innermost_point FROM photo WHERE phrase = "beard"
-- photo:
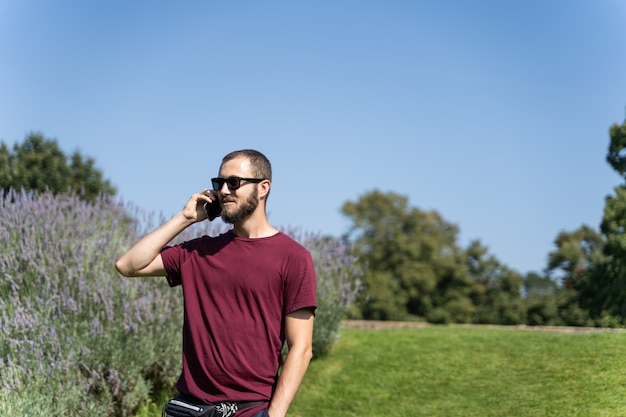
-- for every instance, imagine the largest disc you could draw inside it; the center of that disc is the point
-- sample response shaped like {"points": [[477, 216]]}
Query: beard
{"points": [[237, 214]]}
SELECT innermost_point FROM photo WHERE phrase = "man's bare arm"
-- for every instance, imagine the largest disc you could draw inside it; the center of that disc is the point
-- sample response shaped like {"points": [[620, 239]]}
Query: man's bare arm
{"points": [[144, 258], [299, 337]]}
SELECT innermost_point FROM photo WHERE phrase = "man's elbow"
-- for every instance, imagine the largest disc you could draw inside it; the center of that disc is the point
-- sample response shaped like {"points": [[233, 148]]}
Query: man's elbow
{"points": [[308, 355], [123, 269], [304, 353]]}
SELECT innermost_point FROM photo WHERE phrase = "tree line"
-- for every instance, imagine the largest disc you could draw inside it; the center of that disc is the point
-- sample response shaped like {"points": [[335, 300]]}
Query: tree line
{"points": [[414, 268]]}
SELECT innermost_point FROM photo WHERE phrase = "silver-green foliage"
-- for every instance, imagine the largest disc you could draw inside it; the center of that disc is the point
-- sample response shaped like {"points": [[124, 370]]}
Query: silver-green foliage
{"points": [[78, 339], [75, 339]]}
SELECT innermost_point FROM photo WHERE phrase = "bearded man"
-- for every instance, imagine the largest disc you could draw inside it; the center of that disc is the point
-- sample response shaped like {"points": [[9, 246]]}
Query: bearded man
{"points": [[246, 292]]}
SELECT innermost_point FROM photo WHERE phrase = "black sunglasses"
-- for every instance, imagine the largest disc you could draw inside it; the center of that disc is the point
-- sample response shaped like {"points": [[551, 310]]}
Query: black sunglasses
{"points": [[232, 182]]}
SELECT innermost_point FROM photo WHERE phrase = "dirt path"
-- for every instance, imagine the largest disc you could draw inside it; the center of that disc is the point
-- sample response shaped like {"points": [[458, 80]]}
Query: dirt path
{"points": [[373, 324]]}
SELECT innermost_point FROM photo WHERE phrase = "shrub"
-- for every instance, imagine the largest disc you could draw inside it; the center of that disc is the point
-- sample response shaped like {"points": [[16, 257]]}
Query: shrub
{"points": [[75, 337], [338, 285]]}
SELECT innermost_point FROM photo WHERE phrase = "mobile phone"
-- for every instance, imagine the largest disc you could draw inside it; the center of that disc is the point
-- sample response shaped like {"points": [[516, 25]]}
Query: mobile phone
{"points": [[213, 209]]}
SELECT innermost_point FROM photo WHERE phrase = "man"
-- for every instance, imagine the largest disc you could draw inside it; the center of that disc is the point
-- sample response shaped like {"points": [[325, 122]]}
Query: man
{"points": [[246, 292]]}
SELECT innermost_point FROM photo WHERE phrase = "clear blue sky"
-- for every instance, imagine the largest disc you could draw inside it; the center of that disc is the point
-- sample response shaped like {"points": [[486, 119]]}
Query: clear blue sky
{"points": [[493, 113]]}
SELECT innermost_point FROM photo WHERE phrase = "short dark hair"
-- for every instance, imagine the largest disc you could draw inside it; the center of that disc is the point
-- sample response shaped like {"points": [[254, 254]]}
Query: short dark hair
{"points": [[261, 167]]}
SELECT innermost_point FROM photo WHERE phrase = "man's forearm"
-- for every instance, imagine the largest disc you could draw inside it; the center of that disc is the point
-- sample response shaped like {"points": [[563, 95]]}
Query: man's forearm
{"points": [[289, 380], [148, 248]]}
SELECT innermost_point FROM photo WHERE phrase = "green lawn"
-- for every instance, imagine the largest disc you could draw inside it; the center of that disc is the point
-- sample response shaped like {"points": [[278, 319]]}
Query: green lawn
{"points": [[451, 371]]}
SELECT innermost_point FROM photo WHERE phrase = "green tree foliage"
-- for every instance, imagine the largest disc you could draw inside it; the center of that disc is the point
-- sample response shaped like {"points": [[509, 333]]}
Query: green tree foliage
{"points": [[576, 263], [576, 255], [38, 164], [609, 279], [414, 266], [539, 285], [616, 155], [540, 299], [497, 289]]}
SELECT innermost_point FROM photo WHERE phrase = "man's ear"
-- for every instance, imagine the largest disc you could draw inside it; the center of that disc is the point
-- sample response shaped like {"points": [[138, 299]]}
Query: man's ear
{"points": [[265, 188]]}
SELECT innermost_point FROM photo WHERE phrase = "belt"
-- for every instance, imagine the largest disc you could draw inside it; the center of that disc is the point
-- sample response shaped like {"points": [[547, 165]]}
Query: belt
{"points": [[185, 406]]}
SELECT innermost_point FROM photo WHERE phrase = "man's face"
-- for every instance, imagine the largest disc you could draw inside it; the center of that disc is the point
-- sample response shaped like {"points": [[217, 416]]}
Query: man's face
{"points": [[238, 204]]}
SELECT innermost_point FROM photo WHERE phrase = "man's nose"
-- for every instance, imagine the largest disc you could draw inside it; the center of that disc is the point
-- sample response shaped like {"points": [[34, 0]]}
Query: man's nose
{"points": [[225, 189]]}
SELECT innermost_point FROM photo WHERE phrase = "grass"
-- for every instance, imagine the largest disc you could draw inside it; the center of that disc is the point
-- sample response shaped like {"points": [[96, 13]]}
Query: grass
{"points": [[450, 371]]}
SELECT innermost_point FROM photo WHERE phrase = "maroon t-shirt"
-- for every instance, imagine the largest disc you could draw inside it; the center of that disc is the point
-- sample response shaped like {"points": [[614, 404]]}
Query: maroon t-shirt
{"points": [[237, 292]]}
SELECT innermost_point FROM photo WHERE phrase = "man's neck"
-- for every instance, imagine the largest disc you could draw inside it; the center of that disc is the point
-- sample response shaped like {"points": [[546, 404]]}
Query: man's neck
{"points": [[254, 228]]}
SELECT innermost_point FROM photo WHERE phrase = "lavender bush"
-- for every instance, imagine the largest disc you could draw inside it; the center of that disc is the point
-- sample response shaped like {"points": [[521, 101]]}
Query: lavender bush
{"points": [[75, 338], [78, 339], [338, 285]]}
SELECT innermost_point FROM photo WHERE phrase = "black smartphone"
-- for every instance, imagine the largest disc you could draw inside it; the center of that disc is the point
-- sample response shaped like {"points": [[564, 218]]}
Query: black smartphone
{"points": [[213, 209]]}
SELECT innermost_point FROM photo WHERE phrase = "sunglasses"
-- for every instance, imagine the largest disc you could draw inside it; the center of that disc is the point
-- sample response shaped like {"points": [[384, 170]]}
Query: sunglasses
{"points": [[233, 183]]}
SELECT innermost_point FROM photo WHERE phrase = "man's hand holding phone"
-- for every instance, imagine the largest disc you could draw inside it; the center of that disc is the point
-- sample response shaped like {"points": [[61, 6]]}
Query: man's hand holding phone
{"points": [[214, 208]]}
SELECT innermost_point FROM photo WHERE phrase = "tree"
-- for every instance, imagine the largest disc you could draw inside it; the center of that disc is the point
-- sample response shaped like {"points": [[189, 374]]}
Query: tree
{"points": [[576, 262], [413, 264], [610, 278], [616, 156], [497, 289], [540, 299], [38, 164], [575, 256], [536, 285]]}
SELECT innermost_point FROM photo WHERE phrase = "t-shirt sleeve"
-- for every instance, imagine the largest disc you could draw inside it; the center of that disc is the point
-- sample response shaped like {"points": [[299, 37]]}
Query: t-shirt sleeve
{"points": [[171, 256], [300, 291]]}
